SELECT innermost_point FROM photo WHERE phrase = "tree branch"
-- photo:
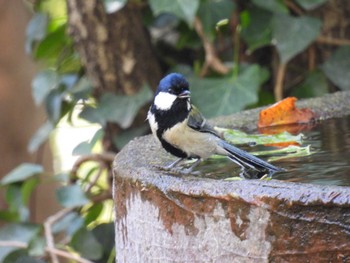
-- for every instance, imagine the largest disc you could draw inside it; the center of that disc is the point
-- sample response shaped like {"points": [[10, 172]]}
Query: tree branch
{"points": [[333, 41], [278, 90], [211, 59]]}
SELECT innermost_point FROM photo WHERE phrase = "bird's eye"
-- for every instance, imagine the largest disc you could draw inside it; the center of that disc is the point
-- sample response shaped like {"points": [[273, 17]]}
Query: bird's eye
{"points": [[176, 90]]}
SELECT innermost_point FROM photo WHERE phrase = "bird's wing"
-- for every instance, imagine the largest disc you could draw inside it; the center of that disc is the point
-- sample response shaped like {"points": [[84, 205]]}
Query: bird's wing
{"points": [[197, 122]]}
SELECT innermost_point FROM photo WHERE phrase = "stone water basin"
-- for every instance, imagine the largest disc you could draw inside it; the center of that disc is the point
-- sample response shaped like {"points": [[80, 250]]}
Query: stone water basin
{"points": [[162, 217]]}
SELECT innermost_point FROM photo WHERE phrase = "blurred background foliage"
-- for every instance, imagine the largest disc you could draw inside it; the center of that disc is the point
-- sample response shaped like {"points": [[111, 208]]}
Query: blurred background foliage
{"points": [[236, 55]]}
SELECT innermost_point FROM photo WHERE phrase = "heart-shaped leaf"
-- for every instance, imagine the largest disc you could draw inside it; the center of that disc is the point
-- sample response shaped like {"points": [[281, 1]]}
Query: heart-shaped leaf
{"points": [[291, 35], [183, 9], [71, 196], [337, 68], [21, 173], [223, 96]]}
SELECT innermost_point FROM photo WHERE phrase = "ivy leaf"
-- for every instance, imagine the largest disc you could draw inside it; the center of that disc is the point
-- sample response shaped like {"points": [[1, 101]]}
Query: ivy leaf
{"points": [[52, 45], [85, 243], [20, 256], [212, 11], [16, 232], [93, 213], [15, 202], [223, 96], [41, 135], [310, 4], [275, 6], [70, 223], [104, 233], [36, 30], [337, 68], [125, 136], [183, 9], [21, 173], [257, 33], [71, 196], [86, 147], [292, 35], [53, 105], [118, 109], [42, 84], [314, 85]]}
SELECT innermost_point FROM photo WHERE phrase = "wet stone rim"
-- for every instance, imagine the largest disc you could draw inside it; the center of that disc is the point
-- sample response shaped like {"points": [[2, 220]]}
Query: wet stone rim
{"points": [[139, 159]]}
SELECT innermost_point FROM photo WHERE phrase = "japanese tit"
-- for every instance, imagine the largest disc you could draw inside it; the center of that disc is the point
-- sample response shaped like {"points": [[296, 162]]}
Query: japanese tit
{"points": [[183, 131]]}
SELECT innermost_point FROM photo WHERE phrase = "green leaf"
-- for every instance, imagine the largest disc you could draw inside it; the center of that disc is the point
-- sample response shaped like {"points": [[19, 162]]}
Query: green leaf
{"points": [[21, 173], [86, 147], [118, 109], [223, 96], [125, 136], [337, 68], [257, 33], [70, 223], [314, 85], [71, 196], [27, 189], [16, 256], [275, 6], [310, 4], [291, 151], [16, 232], [85, 243], [41, 135], [15, 203], [212, 11], [292, 35], [26, 259], [37, 247], [82, 88], [183, 9], [93, 213], [239, 137], [104, 233], [53, 105], [36, 30], [52, 45], [42, 84]]}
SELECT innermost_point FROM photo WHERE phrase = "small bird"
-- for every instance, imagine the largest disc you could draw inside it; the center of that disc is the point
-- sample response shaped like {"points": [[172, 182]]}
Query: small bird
{"points": [[183, 131]]}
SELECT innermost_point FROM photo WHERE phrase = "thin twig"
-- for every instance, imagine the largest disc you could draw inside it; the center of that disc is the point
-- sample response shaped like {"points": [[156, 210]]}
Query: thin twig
{"points": [[278, 90], [51, 251], [11, 243], [68, 255], [48, 232], [105, 158], [294, 7], [333, 41], [107, 195], [311, 58], [211, 59], [93, 182]]}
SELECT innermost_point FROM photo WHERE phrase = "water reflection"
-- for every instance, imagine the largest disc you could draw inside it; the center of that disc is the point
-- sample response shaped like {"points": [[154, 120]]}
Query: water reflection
{"points": [[329, 165]]}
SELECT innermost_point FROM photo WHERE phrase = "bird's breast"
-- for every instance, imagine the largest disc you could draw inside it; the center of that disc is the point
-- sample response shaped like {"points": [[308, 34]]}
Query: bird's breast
{"points": [[192, 142]]}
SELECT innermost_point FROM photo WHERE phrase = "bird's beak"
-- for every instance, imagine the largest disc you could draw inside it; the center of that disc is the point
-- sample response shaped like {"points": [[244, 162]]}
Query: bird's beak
{"points": [[184, 94]]}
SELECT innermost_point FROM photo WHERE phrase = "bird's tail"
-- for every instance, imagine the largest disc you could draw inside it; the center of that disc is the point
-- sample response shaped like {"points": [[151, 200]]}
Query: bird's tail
{"points": [[248, 160]]}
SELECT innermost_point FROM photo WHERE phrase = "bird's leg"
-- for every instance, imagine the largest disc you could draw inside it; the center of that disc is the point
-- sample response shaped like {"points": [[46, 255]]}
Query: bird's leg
{"points": [[173, 164], [190, 169]]}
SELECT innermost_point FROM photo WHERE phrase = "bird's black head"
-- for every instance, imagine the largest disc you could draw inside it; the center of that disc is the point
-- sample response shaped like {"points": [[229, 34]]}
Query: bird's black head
{"points": [[175, 84]]}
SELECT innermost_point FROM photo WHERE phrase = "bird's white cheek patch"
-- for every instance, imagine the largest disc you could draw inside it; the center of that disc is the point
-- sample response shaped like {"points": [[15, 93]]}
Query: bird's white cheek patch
{"points": [[164, 100]]}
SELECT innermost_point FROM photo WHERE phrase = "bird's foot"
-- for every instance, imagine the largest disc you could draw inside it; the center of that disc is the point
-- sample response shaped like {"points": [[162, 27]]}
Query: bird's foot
{"points": [[176, 169]]}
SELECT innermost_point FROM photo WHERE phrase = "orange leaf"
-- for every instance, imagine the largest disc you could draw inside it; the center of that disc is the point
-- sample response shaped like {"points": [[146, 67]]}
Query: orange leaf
{"points": [[284, 112]]}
